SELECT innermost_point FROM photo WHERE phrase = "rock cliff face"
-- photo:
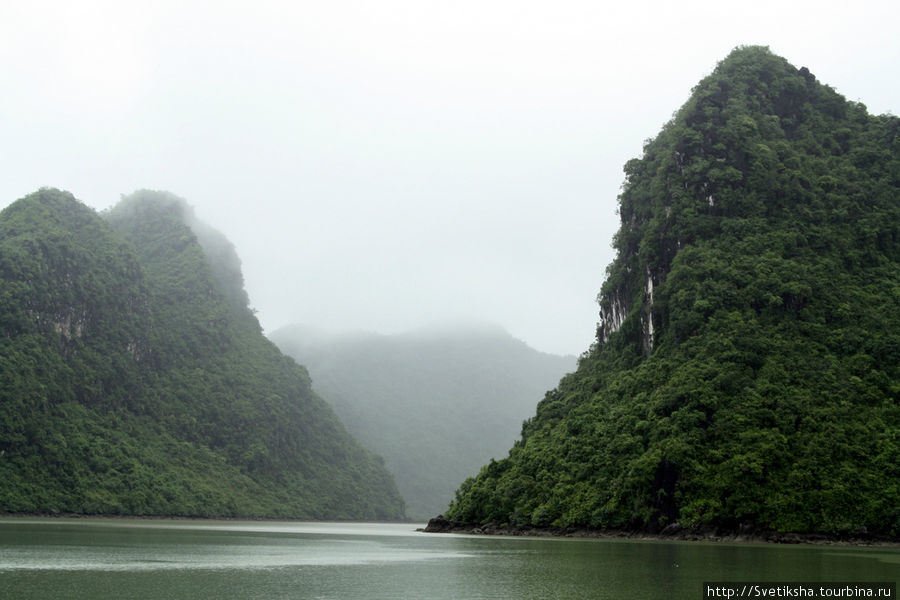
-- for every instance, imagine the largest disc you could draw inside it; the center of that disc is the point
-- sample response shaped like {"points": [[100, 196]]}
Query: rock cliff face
{"points": [[135, 380], [744, 373], [70, 285]]}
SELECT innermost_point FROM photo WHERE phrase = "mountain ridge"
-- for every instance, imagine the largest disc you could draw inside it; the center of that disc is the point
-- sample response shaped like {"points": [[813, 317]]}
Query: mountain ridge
{"points": [[136, 381], [744, 372]]}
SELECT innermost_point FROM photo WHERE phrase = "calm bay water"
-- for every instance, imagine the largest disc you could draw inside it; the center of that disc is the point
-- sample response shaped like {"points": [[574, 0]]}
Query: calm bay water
{"points": [[198, 560]]}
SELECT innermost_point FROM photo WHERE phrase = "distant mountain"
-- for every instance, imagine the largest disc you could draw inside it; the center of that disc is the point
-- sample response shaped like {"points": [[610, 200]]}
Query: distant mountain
{"points": [[135, 380], [746, 373], [436, 403]]}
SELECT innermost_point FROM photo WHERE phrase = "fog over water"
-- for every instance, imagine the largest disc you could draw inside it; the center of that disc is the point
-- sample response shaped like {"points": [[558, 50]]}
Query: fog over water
{"points": [[384, 165]]}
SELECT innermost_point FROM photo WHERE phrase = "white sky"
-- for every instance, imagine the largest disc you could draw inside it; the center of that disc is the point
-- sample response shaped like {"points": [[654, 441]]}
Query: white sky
{"points": [[386, 164]]}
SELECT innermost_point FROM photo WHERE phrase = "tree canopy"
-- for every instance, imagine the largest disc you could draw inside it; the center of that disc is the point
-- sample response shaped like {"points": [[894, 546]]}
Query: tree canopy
{"points": [[134, 379], [746, 368]]}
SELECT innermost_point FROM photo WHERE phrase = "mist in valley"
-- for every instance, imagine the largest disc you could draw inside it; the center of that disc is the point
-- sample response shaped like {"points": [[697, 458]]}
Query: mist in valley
{"points": [[437, 402]]}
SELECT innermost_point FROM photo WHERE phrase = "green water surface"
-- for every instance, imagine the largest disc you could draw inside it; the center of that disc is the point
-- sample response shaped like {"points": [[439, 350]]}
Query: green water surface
{"points": [[199, 560]]}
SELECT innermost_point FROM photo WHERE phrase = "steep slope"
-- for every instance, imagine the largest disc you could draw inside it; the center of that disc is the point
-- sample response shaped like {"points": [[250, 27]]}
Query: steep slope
{"points": [[135, 380], [745, 374], [435, 403]]}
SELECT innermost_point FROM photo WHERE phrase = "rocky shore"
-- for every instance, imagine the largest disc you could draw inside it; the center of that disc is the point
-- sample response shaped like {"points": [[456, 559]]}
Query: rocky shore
{"points": [[674, 532]]}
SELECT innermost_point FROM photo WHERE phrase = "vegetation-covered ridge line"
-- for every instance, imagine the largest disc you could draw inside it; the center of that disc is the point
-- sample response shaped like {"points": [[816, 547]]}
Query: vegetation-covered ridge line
{"points": [[135, 379], [746, 373], [674, 532]]}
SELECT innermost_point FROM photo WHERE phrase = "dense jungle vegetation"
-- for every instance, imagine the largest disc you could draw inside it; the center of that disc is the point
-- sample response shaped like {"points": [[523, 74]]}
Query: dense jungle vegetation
{"points": [[436, 403], [746, 372], [135, 380]]}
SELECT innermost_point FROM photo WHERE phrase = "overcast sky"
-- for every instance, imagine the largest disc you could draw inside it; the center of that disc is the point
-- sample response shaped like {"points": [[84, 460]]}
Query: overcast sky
{"points": [[386, 164]]}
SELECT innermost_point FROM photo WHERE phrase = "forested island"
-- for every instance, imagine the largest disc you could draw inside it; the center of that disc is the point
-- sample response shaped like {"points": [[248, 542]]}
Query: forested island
{"points": [[746, 371], [135, 380]]}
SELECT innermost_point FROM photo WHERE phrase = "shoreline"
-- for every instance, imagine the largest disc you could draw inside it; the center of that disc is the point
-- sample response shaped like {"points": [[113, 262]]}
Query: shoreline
{"points": [[674, 533], [114, 516]]}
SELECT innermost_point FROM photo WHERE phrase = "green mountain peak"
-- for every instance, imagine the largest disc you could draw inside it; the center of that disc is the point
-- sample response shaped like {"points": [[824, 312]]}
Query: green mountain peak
{"points": [[746, 364], [135, 380]]}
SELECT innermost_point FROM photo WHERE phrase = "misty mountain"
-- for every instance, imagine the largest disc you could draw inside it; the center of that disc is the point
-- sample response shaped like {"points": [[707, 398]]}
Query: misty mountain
{"points": [[745, 373], [134, 379], [436, 403]]}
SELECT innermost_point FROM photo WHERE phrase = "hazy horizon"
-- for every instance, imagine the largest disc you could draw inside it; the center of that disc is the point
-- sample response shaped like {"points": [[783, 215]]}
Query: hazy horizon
{"points": [[436, 329], [382, 166]]}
